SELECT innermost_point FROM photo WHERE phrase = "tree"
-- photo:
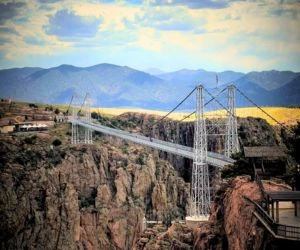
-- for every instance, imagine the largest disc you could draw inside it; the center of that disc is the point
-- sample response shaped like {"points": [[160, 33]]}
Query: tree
{"points": [[56, 142], [94, 115], [56, 111]]}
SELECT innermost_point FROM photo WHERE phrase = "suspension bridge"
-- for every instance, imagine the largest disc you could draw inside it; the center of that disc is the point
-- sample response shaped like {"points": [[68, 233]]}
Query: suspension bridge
{"points": [[200, 184]]}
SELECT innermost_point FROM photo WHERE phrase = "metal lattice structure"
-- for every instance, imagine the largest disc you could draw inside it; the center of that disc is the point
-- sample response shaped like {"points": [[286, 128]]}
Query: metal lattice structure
{"points": [[231, 138], [80, 134], [200, 191]]}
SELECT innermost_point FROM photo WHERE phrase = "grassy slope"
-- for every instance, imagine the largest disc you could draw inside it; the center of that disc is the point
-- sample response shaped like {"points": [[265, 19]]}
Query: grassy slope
{"points": [[282, 114]]}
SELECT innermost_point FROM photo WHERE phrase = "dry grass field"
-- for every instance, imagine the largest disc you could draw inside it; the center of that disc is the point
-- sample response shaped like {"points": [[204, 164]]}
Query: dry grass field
{"points": [[284, 115]]}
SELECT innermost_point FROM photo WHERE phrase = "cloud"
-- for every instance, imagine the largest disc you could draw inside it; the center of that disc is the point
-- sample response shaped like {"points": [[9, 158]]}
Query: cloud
{"points": [[9, 31], [49, 1], [4, 40], [193, 4], [9, 10], [34, 41], [292, 13], [164, 21], [216, 35], [67, 25], [103, 1], [107, 1], [167, 20], [134, 2]]}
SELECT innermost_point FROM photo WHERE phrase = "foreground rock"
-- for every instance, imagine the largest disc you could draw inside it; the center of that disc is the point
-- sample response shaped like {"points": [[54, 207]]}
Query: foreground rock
{"points": [[232, 224], [178, 236]]}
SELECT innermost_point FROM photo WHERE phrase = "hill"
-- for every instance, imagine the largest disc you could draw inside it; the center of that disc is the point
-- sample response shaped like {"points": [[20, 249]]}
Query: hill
{"points": [[121, 86]]}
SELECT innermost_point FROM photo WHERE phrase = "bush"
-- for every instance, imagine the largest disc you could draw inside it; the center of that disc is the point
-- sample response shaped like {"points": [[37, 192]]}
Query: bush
{"points": [[140, 159], [55, 157], [32, 105], [56, 142], [30, 140], [89, 201], [240, 167], [94, 115], [124, 149]]}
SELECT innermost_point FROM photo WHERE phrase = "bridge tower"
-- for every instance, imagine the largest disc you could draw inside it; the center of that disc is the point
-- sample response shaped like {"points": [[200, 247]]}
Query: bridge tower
{"points": [[200, 188], [231, 136], [81, 135]]}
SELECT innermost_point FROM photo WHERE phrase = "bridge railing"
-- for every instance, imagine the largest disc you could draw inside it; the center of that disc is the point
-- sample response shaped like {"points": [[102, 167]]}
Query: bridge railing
{"points": [[285, 231]]}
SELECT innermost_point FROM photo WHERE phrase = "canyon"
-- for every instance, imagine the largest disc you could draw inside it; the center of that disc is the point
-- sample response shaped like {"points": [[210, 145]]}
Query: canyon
{"points": [[61, 196]]}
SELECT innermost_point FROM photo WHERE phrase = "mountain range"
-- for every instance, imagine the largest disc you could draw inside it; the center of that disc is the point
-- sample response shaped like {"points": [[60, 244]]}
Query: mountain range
{"points": [[121, 86]]}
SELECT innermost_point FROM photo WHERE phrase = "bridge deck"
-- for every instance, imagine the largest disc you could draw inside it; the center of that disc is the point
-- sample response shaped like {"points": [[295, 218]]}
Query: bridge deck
{"points": [[213, 159]]}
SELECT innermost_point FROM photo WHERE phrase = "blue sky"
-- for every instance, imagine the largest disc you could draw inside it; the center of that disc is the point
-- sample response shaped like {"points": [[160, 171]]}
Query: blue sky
{"points": [[240, 35]]}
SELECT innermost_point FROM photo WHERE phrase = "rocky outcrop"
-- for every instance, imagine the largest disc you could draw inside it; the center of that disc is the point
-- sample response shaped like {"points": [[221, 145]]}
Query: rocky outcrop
{"points": [[81, 197], [232, 224], [178, 236]]}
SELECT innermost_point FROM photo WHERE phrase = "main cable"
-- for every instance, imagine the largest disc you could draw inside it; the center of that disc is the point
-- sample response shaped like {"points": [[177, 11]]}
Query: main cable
{"points": [[213, 97], [183, 100], [266, 113]]}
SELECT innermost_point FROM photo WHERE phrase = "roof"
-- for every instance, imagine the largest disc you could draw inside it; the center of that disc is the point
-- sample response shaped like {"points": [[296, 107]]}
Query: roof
{"points": [[284, 195], [34, 126], [264, 151]]}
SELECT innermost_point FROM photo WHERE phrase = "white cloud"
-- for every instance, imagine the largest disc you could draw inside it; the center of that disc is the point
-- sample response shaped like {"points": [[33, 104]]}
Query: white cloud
{"points": [[246, 35]]}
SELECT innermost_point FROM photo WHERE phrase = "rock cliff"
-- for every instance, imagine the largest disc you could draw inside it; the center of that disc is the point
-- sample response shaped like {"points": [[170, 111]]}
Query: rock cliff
{"points": [[81, 197], [232, 224], [57, 196]]}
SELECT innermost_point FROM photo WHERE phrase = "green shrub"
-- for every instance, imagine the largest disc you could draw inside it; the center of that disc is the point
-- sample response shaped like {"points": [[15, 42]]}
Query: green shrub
{"points": [[56, 142], [88, 201], [140, 159], [124, 149], [30, 140]]}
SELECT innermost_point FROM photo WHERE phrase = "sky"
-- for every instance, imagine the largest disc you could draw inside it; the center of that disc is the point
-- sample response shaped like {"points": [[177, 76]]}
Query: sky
{"points": [[239, 35]]}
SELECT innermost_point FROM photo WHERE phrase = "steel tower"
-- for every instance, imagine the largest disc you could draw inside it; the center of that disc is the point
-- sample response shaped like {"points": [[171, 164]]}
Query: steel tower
{"points": [[231, 138], [83, 113], [200, 190]]}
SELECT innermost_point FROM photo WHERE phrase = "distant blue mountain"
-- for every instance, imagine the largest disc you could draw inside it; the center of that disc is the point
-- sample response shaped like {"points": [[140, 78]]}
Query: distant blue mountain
{"points": [[289, 94], [116, 86], [206, 78]]}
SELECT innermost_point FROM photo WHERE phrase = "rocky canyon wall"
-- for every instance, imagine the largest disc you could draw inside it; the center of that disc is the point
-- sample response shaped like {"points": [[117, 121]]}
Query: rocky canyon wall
{"points": [[81, 197]]}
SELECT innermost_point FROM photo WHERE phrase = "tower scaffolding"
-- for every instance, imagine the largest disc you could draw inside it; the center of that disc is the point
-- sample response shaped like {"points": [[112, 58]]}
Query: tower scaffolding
{"points": [[81, 135], [231, 139], [200, 188]]}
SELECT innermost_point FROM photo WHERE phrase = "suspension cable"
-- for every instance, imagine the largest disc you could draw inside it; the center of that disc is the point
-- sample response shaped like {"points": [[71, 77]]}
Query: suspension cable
{"points": [[187, 116], [183, 100], [228, 111], [275, 120], [85, 97], [213, 97]]}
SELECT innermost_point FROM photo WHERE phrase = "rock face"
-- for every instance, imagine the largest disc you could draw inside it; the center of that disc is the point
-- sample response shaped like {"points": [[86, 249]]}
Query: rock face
{"points": [[177, 236], [252, 131], [81, 197], [232, 224], [95, 197]]}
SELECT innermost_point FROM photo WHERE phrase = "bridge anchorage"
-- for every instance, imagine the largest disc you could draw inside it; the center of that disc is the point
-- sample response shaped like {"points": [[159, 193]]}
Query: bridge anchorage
{"points": [[82, 128]]}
